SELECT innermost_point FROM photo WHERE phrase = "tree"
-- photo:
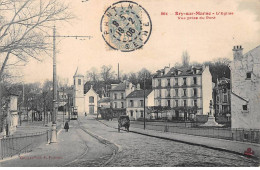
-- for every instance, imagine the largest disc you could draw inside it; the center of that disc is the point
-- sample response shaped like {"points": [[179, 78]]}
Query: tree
{"points": [[106, 73], [92, 75], [24, 26], [23, 29]]}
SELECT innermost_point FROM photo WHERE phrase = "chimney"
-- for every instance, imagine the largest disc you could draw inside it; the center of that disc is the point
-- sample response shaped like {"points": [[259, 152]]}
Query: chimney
{"points": [[237, 52], [166, 70]]}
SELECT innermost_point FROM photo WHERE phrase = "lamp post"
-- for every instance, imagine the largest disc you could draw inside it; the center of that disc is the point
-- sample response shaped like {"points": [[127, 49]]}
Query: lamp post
{"points": [[54, 127]]}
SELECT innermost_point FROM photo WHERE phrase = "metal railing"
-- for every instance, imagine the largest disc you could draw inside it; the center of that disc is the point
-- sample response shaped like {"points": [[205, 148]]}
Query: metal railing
{"points": [[17, 144], [251, 135]]}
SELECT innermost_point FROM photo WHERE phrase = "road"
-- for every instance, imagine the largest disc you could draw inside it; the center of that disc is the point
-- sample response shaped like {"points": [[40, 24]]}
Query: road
{"points": [[91, 143], [138, 150]]}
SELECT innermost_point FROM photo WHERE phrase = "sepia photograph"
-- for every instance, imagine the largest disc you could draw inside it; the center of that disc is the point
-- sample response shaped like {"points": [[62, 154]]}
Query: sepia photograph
{"points": [[139, 83]]}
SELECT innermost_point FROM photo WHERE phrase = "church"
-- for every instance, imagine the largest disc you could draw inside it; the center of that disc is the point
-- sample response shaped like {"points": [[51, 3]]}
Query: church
{"points": [[84, 102]]}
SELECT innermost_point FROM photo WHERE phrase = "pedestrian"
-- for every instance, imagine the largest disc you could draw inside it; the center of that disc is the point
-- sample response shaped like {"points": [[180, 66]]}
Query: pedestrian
{"points": [[85, 113], [66, 126]]}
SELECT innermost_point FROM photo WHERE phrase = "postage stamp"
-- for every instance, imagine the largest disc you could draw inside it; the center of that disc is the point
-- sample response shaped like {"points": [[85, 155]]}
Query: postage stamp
{"points": [[126, 26]]}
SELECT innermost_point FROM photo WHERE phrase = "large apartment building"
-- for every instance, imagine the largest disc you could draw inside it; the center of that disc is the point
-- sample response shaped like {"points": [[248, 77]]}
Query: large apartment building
{"points": [[186, 88]]}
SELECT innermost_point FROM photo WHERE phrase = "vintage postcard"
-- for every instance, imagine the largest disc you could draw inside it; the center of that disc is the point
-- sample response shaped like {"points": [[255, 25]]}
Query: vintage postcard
{"points": [[140, 83]]}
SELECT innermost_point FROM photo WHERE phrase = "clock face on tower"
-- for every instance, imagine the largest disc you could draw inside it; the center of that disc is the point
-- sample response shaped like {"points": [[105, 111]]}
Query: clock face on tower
{"points": [[126, 26]]}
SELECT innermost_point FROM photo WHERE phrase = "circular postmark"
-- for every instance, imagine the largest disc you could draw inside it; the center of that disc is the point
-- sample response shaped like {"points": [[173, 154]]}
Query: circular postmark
{"points": [[126, 26]]}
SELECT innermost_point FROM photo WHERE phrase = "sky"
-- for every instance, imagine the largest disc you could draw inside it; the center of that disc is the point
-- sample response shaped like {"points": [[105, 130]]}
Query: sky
{"points": [[204, 40]]}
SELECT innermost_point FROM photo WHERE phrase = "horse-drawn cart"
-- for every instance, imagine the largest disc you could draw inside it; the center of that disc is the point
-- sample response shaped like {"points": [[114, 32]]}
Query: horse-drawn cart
{"points": [[123, 121]]}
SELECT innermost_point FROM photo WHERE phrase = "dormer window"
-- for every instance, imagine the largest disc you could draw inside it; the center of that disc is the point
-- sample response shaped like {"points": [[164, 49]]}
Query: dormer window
{"points": [[248, 75]]}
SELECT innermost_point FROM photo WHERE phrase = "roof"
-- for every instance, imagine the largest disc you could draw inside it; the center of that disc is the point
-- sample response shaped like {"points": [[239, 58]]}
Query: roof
{"points": [[121, 87], [184, 71], [139, 93], [104, 100], [78, 72]]}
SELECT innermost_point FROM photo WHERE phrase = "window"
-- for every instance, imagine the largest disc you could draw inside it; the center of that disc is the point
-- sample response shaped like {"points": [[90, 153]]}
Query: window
{"points": [[142, 113], [91, 99], [194, 80], [195, 103], [217, 98], [131, 103], [122, 104], [184, 81], [122, 95], [159, 82], [195, 92], [160, 93], [168, 82], [245, 108], [79, 81], [115, 96], [184, 92], [131, 113], [176, 103], [225, 98], [248, 75], [176, 81], [184, 103], [141, 103], [176, 92], [159, 103], [115, 104], [169, 103], [168, 93]]}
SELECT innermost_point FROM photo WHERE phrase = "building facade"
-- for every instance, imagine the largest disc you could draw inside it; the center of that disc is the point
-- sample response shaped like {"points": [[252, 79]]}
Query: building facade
{"points": [[91, 101], [135, 103], [118, 94], [187, 90], [245, 86], [222, 98], [78, 93]]}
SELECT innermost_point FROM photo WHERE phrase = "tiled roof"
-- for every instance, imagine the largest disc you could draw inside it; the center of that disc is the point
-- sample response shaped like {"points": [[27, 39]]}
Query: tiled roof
{"points": [[184, 71], [104, 100], [121, 87], [139, 93]]}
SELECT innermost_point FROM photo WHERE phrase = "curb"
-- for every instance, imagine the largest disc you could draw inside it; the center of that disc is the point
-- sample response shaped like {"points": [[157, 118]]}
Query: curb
{"points": [[186, 142]]}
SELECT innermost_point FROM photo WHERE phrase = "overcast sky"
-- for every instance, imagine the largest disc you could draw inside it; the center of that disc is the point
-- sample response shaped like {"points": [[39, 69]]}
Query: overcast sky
{"points": [[203, 39]]}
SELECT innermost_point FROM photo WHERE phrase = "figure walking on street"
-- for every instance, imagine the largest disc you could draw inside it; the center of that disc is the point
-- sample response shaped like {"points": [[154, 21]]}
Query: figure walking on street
{"points": [[66, 126]]}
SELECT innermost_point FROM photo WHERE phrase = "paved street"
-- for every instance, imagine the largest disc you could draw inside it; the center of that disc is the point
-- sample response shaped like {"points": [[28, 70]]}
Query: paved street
{"points": [[92, 143], [139, 150]]}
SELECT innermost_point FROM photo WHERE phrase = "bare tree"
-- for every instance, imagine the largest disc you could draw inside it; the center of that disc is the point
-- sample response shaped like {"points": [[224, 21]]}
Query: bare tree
{"points": [[24, 26], [107, 73], [93, 75]]}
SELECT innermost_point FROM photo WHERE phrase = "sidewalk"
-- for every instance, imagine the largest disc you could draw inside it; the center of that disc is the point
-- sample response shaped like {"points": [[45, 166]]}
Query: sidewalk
{"points": [[213, 143], [67, 149]]}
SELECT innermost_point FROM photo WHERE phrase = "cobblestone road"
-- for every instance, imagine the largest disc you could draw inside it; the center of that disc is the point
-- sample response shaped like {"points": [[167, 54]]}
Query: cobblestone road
{"points": [[139, 150]]}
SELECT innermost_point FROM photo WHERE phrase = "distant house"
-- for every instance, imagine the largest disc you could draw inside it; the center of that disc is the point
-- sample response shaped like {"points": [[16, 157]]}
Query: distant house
{"points": [[104, 102], [222, 98], [135, 103], [186, 90], [245, 85], [118, 95]]}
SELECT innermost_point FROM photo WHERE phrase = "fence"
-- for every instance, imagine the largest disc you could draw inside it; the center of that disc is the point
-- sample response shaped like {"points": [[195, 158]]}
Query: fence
{"points": [[252, 136], [18, 144]]}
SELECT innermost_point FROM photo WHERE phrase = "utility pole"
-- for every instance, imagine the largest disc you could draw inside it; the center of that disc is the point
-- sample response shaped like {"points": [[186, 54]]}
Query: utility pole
{"points": [[55, 106], [144, 99]]}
